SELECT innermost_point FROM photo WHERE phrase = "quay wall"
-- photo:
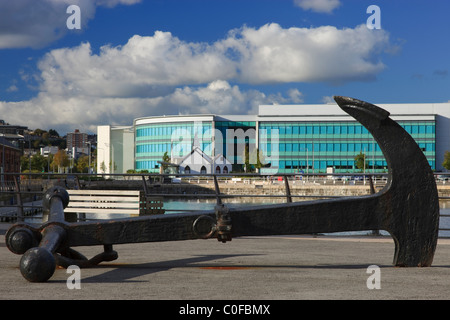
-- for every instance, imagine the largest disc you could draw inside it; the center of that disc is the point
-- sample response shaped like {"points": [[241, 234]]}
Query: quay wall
{"points": [[259, 188]]}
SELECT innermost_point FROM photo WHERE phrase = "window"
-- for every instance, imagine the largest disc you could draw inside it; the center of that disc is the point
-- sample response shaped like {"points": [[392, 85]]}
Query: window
{"points": [[302, 147], [316, 147], [408, 129], [187, 170], [337, 147], [203, 170], [323, 147]]}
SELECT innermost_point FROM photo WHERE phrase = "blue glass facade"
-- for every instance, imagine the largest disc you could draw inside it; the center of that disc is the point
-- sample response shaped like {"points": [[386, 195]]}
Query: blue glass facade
{"points": [[234, 136], [175, 138], [290, 146], [314, 146]]}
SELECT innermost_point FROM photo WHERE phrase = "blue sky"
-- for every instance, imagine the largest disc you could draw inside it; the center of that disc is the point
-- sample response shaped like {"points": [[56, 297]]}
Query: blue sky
{"points": [[134, 58]]}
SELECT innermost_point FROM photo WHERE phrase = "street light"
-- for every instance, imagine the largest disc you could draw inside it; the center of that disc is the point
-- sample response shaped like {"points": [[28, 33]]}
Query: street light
{"points": [[3, 159], [89, 155]]}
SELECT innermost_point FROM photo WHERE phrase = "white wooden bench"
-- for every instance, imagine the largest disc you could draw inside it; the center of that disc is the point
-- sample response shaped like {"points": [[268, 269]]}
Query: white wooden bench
{"points": [[126, 202], [110, 202]]}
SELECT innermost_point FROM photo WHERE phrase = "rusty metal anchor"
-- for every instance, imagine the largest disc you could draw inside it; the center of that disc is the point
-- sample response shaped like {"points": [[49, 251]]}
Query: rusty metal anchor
{"points": [[407, 207]]}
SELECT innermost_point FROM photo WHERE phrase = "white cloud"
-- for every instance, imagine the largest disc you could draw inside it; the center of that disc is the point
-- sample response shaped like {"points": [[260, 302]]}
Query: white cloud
{"points": [[35, 24], [295, 96], [113, 3], [145, 65], [322, 6], [161, 74], [12, 88], [87, 112], [272, 54], [328, 99]]}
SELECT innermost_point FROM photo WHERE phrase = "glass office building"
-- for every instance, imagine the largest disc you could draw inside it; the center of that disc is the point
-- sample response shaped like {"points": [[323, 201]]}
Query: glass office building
{"points": [[288, 138], [312, 147], [174, 135]]}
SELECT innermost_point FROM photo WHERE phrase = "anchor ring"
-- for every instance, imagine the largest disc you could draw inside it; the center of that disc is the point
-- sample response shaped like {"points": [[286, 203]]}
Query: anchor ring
{"points": [[200, 221]]}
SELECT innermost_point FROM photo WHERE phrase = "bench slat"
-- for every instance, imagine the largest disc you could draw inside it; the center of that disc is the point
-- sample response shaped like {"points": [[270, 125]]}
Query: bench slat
{"points": [[127, 202], [104, 192], [112, 199], [103, 205], [100, 211]]}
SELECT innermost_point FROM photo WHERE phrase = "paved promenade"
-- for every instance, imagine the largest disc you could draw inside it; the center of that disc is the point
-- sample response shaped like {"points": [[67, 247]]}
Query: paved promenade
{"points": [[250, 268]]}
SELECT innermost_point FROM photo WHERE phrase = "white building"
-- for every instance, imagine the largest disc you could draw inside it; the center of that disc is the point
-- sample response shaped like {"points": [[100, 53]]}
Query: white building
{"points": [[309, 138], [197, 162]]}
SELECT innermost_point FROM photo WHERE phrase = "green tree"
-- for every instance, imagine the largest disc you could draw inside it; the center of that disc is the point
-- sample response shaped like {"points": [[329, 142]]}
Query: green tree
{"points": [[60, 159], [39, 163], [257, 158], [165, 160], [446, 163], [103, 167], [360, 161], [82, 164], [24, 163], [53, 133]]}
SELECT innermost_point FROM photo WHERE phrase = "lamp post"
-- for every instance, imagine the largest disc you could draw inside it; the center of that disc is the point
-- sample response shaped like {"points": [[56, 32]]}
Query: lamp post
{"points": [[3, 160], [89, 155]]}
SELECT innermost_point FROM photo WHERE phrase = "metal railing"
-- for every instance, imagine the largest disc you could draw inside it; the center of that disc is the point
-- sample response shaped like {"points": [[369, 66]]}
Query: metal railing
{"points": [[20, 195]]}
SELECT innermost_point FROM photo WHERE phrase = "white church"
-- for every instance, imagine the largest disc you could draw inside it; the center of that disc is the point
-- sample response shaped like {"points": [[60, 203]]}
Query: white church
{"points": [[197, 162]]}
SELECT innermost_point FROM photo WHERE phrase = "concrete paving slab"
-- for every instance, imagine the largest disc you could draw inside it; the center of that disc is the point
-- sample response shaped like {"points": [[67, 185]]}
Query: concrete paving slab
{"points": [[249, 268]]}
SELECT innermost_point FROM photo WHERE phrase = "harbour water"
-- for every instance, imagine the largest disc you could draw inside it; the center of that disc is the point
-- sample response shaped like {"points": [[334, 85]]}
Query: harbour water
{"points": [[174, 206]]}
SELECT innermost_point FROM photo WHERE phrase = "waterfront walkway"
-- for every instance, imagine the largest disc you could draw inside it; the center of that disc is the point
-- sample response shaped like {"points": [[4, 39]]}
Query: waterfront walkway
{"points": [[249, 268]]}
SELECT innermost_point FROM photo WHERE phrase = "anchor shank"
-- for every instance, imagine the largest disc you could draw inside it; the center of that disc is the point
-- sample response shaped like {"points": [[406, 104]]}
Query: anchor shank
{"points": [[351, 214]]}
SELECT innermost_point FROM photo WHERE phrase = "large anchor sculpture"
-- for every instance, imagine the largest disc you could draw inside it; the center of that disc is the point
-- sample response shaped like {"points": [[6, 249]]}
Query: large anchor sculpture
{"points": [[407, 207]]}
